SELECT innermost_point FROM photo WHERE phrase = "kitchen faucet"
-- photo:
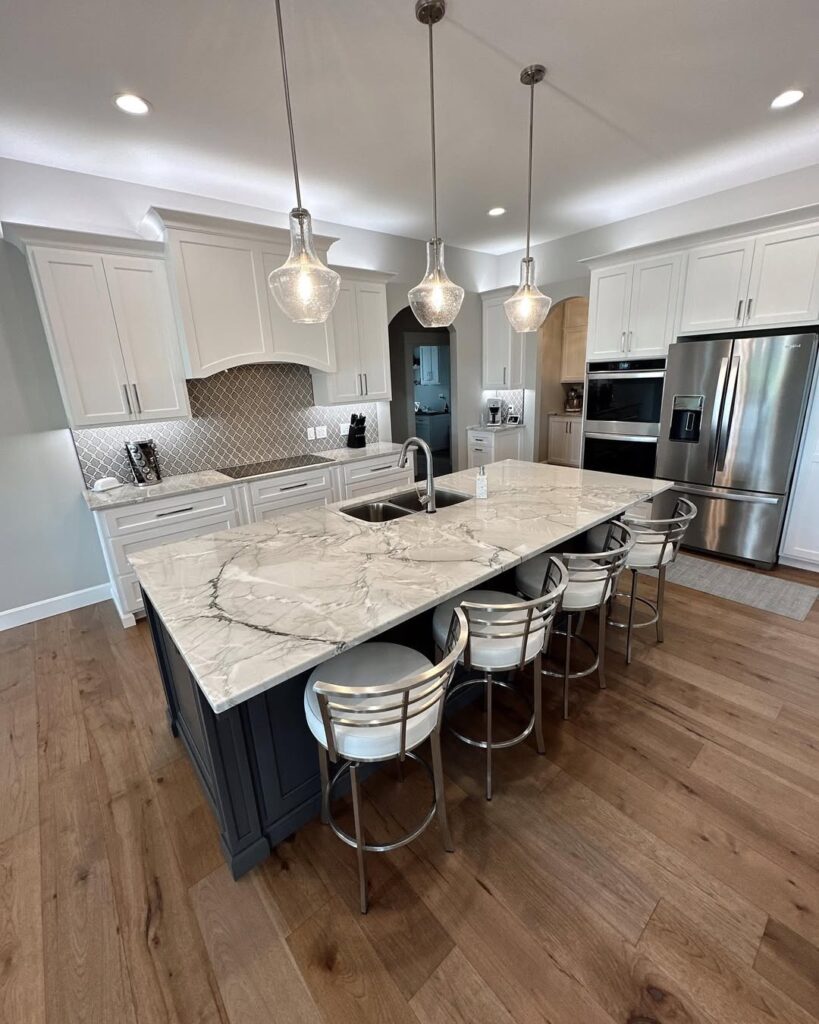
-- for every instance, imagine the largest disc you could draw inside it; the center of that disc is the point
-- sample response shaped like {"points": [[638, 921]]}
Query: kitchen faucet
{"points": [[416, 442]]}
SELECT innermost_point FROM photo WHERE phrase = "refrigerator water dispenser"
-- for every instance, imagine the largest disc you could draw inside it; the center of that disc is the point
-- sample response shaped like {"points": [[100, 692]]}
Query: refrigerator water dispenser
{"points": [[686, 418]]}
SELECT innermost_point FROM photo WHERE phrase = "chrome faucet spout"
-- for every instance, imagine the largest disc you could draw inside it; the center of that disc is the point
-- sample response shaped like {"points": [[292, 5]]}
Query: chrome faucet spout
{"points": [[419, 444]]}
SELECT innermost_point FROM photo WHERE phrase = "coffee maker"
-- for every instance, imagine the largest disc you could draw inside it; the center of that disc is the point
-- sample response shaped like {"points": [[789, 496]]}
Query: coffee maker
{"points": [[494, 412]]}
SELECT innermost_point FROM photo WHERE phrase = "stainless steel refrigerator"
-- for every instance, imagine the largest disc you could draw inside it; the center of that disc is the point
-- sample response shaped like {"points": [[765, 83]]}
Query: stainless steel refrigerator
{"points": [[731, 420]]}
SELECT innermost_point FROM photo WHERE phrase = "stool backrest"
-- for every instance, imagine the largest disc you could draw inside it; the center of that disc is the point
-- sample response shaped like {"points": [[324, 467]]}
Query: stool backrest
{"points": [[603, 567], [518, 620], [663, 533], [395, 703]]}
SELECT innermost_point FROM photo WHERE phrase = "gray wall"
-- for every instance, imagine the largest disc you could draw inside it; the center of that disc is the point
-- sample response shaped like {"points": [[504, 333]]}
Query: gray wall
{"points": [[48, 544]]}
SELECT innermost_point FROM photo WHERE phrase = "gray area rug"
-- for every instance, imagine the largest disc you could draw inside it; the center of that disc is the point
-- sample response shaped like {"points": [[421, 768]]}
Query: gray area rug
{"points": [[782, 597]]}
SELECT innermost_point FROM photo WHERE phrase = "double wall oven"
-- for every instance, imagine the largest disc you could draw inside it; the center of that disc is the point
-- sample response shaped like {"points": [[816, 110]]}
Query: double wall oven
{"points": [[622, 419]]}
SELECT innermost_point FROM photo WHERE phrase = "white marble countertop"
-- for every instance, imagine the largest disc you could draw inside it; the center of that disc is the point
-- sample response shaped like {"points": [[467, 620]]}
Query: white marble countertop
{"points": [[250, 607], [187, 483]]}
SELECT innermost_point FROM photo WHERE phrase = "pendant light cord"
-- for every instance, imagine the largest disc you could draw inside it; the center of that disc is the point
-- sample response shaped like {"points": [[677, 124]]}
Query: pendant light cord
{"points": [[432, 122], [287, 103], [529, 197]]}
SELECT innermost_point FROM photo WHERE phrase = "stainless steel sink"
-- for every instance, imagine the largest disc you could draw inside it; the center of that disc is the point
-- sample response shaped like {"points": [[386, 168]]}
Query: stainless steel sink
{"points": [[411, 499], [396, 506], [375, 512]]}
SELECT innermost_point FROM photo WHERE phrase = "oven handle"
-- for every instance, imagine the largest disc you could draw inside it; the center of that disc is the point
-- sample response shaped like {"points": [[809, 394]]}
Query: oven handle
{"points": [[623, 437], [636, 375]]}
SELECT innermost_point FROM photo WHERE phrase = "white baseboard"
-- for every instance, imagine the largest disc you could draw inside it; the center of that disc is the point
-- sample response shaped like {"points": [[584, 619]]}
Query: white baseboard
{"points": [[799, 563], [54, 606]]}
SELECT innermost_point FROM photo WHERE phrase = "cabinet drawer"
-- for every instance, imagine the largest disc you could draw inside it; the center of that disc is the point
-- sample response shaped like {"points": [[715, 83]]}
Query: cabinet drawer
{"points": [[379, 482], [291, 503], [164, 511], [480, 438], [282, 489], [371, 468], [168, 533]]}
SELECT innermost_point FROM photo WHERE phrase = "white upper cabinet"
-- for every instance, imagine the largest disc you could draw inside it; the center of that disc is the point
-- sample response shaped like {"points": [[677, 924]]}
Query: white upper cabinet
{"points": [[229, 316], [143, 313], [429, 364], [716, 286], [653, 309], [359, 324], [502, 348], [111, 330], [632, 308], [784, 287]]}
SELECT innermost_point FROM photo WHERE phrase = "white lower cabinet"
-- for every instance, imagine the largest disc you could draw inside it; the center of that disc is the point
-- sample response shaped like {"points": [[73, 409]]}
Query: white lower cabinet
{"points": [[565, 440], [358, 479], [486, 446], [277, 495], [800, 543]]}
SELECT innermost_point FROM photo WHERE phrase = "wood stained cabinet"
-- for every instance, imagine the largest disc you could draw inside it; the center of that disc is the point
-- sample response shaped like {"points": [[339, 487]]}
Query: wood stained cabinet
{"points": [[566, 440]]}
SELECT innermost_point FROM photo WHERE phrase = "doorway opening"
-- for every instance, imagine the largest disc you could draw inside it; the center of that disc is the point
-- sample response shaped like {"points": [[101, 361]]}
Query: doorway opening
{"points": [[422, 391]]}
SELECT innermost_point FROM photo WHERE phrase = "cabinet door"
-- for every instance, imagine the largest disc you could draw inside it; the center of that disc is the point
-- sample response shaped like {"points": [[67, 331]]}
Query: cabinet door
{"points": [[716, 286], [558, 440], [801, 540], [82, 334], [609, 311], [784, 286], [373, 340], [573, 356], [497, 334], [652, 312], [575, 444], [345, 385], [225, 315], [429, 364], [141, 300], [307, 344]]}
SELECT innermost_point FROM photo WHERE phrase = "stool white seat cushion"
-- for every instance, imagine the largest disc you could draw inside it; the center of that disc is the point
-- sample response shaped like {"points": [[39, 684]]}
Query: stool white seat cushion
{"points": [[489, 652], [647, 552], [580, 594], [370, 664]]}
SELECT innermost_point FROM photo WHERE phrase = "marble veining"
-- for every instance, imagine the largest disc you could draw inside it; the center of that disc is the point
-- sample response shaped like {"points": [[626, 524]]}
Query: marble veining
{"points": [[188, 483], [252, 606]]}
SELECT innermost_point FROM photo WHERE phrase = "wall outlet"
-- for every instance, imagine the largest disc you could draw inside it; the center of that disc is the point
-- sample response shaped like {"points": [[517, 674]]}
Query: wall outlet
{"points": [[311, 434], [321, 431], [342, 429]]}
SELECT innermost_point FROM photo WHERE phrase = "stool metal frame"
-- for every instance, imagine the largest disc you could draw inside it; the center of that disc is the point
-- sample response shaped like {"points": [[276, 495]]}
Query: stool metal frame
{"points": [[601, 568], [665, 535], [525, 618], [393, 704]]}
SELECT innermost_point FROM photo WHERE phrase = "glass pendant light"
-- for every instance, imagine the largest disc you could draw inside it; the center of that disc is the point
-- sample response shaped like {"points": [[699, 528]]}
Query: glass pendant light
{"points": [[305, 289], [435, 301], [528, 307]]}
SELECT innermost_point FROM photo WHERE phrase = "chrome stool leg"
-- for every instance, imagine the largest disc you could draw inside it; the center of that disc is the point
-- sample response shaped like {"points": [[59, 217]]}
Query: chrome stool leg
{"points": [[567, 663], [324, 772], [630, 633], [537, 702], [601, 646], [440, 797], [660, 602], [488, 735], [359, 838]]}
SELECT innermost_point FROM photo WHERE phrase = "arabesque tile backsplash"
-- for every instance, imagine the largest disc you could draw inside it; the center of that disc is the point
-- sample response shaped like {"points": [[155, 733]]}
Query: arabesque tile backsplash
{"points": [[244, 415]]}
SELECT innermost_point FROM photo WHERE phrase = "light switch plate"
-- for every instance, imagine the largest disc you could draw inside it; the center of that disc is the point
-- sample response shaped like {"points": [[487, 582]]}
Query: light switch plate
{"points": [[311, 434], [321, 431], [342, 429]]}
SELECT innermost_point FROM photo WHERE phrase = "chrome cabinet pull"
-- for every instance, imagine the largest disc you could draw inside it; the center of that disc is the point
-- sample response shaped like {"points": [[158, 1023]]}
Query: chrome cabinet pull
{"points": [[127, 399], [360, 390], [622, 341], [174, 512], [748, 310], [294, 487], [366, 385], [137, 402], [739, 311], [628, 342], [504, 376]]}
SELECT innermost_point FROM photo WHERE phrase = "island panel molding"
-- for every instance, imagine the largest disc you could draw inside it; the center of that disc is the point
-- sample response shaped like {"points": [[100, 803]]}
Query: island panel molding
{"points": [[240, 416]]}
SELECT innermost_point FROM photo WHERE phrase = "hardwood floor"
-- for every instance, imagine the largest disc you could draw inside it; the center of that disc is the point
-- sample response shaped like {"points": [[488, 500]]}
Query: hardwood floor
{"points": [[660, 865]]}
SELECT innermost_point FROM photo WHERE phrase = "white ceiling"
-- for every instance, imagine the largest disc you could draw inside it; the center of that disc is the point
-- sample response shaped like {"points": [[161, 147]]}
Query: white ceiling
{"points": [[647, 103]]}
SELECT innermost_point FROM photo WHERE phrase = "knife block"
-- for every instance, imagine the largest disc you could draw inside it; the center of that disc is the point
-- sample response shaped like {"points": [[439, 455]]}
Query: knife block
{"points": [[356, 437]]}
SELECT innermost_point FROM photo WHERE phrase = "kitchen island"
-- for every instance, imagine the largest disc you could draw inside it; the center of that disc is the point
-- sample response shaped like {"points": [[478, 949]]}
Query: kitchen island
{"points": [[240, 617]]}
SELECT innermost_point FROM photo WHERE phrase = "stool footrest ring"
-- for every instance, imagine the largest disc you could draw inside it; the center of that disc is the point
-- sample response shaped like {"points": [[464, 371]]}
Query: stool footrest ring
{"points": [[636, 625], [583, 672], [496, 744]]}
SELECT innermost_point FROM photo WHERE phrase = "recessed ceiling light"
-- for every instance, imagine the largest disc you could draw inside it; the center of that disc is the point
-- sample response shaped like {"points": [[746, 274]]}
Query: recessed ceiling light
{"points": [[496, 211], [132, 104], [787, 99]]}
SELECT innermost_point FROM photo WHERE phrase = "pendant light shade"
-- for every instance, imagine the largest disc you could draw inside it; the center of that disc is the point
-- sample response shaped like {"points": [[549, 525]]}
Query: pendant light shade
{"points": [[435, 300], [304, 288], [528, 307]]}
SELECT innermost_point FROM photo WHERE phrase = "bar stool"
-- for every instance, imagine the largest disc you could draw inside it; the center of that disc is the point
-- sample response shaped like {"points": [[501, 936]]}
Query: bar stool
{"points": [[374, 703], [592, 579], [505, 634], [656, 543]]}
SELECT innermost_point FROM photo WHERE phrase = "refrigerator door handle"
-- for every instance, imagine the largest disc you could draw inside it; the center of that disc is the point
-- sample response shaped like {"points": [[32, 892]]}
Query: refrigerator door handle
{"points": [[728, 413], [719, 400], [758, 499]]}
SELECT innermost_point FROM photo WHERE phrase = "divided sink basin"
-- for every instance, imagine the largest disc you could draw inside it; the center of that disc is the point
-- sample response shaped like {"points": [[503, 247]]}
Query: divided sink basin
{"points": [[396, 506]]}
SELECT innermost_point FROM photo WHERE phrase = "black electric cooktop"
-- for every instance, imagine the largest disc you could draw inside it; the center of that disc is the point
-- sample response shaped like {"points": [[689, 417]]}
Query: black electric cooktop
{"points": [[274, 466]]}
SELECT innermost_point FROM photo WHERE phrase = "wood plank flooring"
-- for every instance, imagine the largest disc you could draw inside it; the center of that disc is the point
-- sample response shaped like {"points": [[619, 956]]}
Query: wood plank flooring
{"points": [[660, 865]]}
